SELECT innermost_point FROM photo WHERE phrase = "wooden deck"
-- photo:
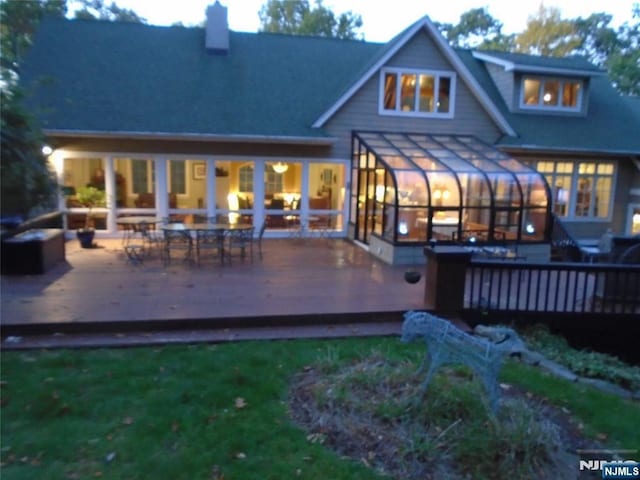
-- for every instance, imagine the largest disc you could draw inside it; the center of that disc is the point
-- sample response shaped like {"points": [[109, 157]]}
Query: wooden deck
{"points": [[296, 278]]}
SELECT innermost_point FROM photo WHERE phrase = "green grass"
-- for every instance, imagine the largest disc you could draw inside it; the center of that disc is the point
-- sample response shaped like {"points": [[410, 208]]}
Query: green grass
{"points": [[604, 416], [208, 411]]}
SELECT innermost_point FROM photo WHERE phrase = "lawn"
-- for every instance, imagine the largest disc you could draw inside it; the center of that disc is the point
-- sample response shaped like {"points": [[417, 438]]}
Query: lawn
{"points": [[211, 411]]}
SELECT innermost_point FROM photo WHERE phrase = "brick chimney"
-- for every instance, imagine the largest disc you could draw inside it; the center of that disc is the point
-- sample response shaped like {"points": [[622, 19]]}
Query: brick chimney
{"points": [[217, 29]]}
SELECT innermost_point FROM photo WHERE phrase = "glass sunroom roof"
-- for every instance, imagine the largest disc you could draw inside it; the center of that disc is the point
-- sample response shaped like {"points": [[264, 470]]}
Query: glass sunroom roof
{"points": [[423, 183]]}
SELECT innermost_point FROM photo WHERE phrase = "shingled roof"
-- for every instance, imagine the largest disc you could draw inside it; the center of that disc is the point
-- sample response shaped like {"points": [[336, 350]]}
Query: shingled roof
{"points": [[114, 78], [111, 77]]}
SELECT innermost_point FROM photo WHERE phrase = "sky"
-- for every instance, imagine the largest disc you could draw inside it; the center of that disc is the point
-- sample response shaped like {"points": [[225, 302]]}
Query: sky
{"points": [[382, 20]]}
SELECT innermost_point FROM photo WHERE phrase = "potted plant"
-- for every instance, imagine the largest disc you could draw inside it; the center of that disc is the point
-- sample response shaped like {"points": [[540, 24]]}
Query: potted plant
{"points": [[89, 197]]}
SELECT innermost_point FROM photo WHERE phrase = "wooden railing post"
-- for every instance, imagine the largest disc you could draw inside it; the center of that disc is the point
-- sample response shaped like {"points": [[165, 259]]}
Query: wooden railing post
{"points": [[446, 269]]}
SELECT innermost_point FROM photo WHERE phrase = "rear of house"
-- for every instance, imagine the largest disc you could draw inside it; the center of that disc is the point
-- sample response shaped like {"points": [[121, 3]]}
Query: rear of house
{"points": [[392, 145]]}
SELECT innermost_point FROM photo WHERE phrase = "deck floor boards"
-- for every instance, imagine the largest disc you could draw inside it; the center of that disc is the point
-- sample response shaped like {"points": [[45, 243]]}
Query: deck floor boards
{"points": [[295, 277]]}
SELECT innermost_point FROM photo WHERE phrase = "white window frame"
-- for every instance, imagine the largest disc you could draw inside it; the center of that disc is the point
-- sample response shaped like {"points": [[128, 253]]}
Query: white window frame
{"points": [[573, 198], [629, 224], [150, 174], [273, 181], [251, 168], [540, 106], [438, 74], [186, 176]]}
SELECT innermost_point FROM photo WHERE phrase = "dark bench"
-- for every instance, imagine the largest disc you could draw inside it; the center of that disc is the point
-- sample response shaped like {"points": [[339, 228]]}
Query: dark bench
{"points": [[33, 252]]}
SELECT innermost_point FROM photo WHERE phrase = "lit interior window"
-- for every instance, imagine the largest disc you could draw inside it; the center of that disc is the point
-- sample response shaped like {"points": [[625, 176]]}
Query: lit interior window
{"points": [[390, 91], [551, 93], [550, 96]]}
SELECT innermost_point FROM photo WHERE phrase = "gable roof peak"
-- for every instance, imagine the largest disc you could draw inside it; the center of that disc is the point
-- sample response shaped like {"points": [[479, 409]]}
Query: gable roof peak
{"points": [[398, 42]]}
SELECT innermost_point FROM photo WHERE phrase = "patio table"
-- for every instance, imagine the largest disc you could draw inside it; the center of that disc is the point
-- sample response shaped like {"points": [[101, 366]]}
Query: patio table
{"points": [[201, 230]]}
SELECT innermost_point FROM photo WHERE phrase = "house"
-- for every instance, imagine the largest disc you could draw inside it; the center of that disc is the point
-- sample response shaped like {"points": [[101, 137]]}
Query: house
{"points": [[392, 145]]}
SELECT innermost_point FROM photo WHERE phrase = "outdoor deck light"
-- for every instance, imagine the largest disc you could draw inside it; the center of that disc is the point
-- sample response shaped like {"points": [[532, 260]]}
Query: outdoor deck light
{"points": [[47, 150]]}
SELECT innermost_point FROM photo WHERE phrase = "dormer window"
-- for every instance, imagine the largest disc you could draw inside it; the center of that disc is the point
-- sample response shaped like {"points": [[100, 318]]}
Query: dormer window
{"points": [[417, 93], [551, 93]]}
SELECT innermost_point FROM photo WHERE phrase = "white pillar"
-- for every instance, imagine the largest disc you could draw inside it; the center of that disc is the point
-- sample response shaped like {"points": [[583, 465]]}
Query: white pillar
{"points": [[162, 192], [110, 192], [211, 188], [304, 194], [258, 193]]}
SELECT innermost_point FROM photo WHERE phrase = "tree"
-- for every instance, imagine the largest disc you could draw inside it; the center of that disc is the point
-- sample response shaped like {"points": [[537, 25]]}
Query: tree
{"points": [[99, 10], [297, 17], [547, 34], [477, 29], [28, 185], [624, 63], [18, 22], [598, 39]]}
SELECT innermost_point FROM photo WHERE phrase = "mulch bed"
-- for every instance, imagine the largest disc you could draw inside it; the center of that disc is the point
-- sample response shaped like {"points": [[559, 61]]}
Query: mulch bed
{"points": [[379, 442]]}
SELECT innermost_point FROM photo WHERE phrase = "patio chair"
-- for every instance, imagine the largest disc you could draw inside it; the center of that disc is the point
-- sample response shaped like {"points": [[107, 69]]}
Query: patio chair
{"points": [[238, 242], [259, 239], [177, 241], [135, 253], [212, 240], [152, 239], [322, 224]]}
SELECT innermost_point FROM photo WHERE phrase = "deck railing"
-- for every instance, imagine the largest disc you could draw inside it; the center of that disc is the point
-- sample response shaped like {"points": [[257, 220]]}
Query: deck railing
{"points": [[518, 287], [563, 245]]}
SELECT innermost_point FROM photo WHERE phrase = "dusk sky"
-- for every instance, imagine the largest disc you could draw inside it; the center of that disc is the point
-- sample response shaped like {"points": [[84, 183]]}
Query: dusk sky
{"points": [[382, 20]]}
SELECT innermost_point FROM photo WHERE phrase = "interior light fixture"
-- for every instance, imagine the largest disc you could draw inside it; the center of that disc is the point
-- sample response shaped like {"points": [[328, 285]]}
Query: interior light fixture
{"points": [[280, 167], [563, 196], [234, 206], [530, 229]]}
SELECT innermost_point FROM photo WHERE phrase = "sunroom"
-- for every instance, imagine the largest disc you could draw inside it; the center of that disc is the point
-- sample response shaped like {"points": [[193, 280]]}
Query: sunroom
{"points": [[409, 190]]}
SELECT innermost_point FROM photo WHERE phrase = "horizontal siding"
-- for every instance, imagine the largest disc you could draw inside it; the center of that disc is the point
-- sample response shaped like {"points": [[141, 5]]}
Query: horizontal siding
{"points": [[360, 112], [504, 83]]}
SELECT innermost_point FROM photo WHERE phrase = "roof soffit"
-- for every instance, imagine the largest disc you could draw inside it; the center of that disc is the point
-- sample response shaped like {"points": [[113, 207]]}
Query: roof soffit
{"points": [[448, 52]]}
